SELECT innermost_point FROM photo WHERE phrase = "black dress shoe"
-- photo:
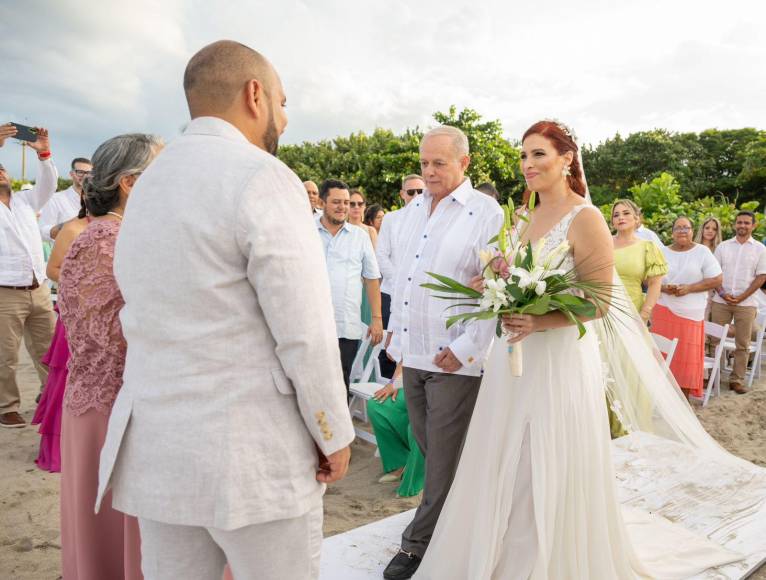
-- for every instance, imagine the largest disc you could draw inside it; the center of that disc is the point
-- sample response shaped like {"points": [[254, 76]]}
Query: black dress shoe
{"points": [[402, 566]]}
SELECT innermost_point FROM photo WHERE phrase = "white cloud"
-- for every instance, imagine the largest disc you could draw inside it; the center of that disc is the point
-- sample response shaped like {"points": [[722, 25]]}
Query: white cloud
{"points": [[90, 70]]}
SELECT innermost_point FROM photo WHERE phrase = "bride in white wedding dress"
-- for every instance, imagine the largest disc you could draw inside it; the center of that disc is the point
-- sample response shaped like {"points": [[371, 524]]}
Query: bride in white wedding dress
{"points": [[534, 495]]}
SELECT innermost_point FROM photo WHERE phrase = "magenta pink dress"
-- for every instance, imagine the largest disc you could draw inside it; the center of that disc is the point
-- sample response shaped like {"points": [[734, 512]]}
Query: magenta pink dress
{"points": [[104, 545], [48, 412]]}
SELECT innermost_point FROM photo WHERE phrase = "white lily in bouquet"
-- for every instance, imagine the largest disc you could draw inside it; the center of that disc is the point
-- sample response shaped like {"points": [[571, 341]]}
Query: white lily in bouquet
{"points": [[519, 280]]}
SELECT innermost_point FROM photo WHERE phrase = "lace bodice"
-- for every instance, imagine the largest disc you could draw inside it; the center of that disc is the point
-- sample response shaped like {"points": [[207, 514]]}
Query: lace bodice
{"points": [[90, 302], [558, 234]]}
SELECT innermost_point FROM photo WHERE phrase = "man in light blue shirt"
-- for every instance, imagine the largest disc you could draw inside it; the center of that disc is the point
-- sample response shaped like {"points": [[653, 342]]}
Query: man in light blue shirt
{"points": [[350, 259]]}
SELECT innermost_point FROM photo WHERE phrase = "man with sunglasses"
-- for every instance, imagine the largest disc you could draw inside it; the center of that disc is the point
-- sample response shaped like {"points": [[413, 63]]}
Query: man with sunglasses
{"points": [[386, 250], [64, 205]]}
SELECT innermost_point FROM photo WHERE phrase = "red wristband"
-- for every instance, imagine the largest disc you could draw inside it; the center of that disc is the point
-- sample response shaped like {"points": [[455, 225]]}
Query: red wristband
{"points": [[42, 156]]}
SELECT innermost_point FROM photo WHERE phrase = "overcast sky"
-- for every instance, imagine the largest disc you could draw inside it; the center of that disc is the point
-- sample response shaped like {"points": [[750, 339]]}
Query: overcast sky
{"points": [[89, 70]]}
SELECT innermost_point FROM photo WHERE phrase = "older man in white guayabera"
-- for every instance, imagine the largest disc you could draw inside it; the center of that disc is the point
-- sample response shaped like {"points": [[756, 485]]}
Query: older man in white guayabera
{"points": [[25, 301], [65, 205], [387, 252], [441, 231], [233, 413]]}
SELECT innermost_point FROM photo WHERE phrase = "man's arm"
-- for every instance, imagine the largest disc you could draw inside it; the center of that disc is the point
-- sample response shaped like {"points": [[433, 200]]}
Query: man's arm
{"points": [[50, 223], [371, 276], [287, 269], [756, 284], [383, 250], [47, 175], [471, 347], [372, 287]]}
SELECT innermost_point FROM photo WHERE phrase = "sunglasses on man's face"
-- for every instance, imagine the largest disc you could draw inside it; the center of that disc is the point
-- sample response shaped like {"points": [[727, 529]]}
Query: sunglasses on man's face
{"points": [[81, 172], [356, 203], [413, 192]]}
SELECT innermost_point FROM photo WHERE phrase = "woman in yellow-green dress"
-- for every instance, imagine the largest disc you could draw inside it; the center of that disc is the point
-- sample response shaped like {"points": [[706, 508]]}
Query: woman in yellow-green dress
{"points": [[640, 264]]}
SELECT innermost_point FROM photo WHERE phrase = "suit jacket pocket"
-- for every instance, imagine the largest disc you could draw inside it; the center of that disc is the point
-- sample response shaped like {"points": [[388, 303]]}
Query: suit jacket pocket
{"points": [[281, 382]]}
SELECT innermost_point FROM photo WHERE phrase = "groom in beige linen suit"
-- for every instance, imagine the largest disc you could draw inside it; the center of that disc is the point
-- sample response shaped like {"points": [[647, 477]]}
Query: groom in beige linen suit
{"points": [[232, 381]]}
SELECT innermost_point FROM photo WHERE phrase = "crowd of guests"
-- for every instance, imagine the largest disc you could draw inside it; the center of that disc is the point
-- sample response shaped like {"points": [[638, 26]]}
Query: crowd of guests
{"points": [[696, 277], [79, 355]]}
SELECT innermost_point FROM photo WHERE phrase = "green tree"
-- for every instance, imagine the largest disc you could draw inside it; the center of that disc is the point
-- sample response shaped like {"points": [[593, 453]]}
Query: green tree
{"points": [[661, 203], [493, 157], [708, 164], [376, 163], [752, 177]]}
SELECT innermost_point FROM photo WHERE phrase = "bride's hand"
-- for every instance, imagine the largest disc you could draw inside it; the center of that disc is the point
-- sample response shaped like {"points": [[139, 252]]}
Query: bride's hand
{"points": [[519, 326], [477, 283]]}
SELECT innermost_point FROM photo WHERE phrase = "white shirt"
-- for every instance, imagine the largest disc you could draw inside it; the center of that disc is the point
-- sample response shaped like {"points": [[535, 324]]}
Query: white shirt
{"points": [[646, 234], [350, 258], [741, 263], [446, 242], [689, 267], [62, 207], [387, 249], [21, 248]]}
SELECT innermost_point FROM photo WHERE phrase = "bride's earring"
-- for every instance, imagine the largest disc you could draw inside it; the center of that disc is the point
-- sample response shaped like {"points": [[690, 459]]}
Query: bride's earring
{"points": [[566, 172]]}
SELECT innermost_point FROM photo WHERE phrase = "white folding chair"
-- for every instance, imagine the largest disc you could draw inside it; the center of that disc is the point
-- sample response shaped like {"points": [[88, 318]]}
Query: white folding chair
{"points": [[755, 348], [665, 346], [365, 379], [713, 364]]}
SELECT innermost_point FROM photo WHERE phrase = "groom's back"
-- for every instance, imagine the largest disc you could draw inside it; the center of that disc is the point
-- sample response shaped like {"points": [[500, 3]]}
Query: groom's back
{"points": [[188, 301]]}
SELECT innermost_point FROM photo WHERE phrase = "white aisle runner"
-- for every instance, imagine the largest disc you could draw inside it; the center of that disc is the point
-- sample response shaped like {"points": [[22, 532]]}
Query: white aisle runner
{"points": [[725, 504]]}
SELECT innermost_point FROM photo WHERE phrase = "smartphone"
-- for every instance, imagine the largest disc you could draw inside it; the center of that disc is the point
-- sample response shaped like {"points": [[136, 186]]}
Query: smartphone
{"points": [[25, 133]]}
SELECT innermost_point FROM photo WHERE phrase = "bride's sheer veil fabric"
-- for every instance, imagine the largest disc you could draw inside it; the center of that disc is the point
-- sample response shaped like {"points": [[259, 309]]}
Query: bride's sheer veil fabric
{"points": [[640, 388]]}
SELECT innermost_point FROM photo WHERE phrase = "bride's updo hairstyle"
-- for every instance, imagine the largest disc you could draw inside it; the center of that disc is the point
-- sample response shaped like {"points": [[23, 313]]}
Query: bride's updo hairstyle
{"points": [[563, 141], [114, 159]]}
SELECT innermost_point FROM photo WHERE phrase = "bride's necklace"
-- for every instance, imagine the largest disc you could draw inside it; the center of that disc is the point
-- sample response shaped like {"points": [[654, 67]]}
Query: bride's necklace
{"points": [[115, 214]]}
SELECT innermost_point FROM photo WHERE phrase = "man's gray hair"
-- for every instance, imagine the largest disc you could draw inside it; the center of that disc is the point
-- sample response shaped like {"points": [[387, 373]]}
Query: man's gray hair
{"points": [[459, 139], [114, 159]]}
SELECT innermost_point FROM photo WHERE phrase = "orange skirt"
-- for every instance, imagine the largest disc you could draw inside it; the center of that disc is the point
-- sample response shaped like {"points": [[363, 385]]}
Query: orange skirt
{"points": [[688, 361]]}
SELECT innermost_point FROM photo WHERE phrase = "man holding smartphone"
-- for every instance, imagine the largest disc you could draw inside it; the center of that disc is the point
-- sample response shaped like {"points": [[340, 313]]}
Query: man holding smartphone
{"points": [[25, 301]]}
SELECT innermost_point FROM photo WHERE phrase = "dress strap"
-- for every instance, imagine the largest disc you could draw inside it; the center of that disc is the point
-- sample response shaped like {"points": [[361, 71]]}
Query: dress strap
{"points": [[567, 220]]}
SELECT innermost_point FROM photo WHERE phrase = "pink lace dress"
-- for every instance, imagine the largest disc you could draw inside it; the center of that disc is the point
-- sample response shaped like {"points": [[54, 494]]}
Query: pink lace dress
{"points": [[107, 544], [90, 303]]}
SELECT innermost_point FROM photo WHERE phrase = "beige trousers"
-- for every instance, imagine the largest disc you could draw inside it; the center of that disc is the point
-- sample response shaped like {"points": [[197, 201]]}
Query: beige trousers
{"points": [[26, 314], [278, 550], [743, 318]]}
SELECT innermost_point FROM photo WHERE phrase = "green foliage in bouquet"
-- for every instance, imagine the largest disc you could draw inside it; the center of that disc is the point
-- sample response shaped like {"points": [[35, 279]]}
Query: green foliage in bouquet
{"points": [[518, 280]]}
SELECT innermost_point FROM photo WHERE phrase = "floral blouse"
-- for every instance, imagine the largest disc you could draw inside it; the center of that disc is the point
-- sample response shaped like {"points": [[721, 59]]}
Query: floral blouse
{"points": [[90, 302]]}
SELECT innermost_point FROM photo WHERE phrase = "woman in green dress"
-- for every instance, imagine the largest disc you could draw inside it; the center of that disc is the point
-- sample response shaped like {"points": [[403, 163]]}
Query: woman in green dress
{"points": [[399, 452], [640, 264]]}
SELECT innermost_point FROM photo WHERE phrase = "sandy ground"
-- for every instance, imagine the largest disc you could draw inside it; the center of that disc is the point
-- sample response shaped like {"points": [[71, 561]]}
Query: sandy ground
{"points": [[30, 542]]}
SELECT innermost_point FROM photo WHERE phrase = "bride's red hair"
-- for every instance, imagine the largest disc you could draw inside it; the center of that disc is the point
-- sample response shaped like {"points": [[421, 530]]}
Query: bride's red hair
{"points": [[563, 143]]}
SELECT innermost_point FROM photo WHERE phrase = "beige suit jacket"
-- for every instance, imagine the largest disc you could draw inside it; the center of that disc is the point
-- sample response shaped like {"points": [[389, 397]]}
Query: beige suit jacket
{"points": [[233, 371]]}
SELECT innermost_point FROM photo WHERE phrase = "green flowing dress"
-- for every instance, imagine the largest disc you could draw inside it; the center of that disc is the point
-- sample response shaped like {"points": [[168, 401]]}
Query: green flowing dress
{"points": [[397, 445], [634, 264]]}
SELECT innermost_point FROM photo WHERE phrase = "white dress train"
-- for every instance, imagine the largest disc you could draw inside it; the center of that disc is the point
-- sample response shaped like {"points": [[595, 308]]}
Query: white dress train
{"points": [[534, 496]]}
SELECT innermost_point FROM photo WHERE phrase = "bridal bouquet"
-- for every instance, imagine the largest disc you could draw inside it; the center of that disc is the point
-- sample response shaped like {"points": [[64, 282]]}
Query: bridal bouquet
{"points": [[519, 279]]}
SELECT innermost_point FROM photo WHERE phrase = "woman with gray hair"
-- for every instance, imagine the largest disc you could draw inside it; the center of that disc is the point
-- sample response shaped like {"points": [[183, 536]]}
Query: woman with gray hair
{"points": [[103, 545]]}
